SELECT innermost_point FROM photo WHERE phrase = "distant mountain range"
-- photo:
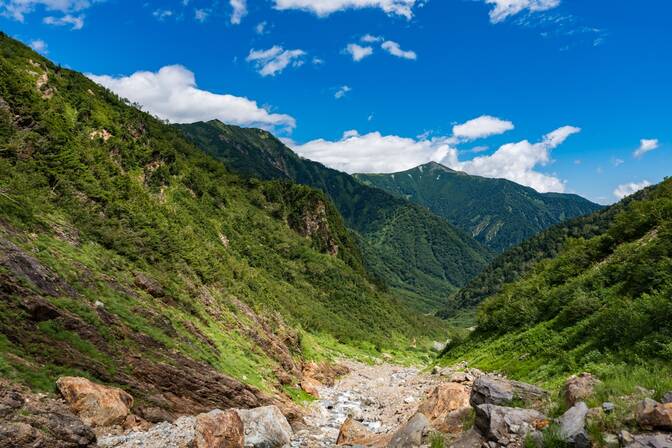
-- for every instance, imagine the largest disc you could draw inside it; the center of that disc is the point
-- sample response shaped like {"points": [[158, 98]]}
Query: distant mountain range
{"points": [[496, 212], [418, 254]]}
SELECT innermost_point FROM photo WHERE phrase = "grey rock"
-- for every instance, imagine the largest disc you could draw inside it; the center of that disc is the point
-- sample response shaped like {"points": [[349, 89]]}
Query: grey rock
{"points": [[505, 425], [608, 407], [265, 427], [654, 440], [667, 398], [573, 426], [611, 441], [468, 439], [163, 435], [411, 434], [488, 389]]}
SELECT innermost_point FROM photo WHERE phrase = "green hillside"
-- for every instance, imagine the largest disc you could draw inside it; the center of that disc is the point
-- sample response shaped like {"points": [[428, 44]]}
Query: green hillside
{"points": [[497, 212], [130, 256], [420, 256], [603, 303]]}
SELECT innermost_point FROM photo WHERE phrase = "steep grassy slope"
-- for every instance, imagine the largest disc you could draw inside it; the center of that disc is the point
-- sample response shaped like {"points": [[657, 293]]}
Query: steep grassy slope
{"points": [[519, 260], [419, 255], [497, 212], [602, 304], [129, 255]]}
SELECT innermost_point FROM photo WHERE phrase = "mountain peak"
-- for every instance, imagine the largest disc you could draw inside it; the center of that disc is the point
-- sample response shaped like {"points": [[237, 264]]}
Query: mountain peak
{"points": [[435, 166]]}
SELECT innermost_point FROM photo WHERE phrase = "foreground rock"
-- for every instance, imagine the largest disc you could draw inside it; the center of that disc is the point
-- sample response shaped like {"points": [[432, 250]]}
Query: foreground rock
{"points": [[446, 407], [30, 420], [489, 389], [353, 433], [573, 426], [216, 429], [656, 440], [651, 414], [505, 426], [412, 433], [96, 405], [265, 427], [578, 388]]}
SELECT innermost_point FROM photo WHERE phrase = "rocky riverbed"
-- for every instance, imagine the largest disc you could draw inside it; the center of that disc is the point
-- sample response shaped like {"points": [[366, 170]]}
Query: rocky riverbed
{"points": [[382, 397]]}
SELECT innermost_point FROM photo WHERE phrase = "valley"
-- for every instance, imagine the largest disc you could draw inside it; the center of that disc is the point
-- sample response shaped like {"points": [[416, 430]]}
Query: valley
{"points": [[203, 286]]}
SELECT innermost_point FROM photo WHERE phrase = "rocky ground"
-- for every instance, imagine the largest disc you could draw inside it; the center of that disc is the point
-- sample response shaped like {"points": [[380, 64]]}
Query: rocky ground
{"points": [[382, 397]]}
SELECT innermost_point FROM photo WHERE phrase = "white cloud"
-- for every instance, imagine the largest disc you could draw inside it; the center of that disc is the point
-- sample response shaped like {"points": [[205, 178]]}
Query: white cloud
{"points": [[17, 9], [239, 10], [379, 153], [370, 39], [481, 127], [625, 190], [358, 52], [342, 91], [323, 8], [395, 50], [172, 94], [201, 15], [77, 22], [162, 14], [261, 28], [646, 145], [274, 60], [502, 9], [39, 45]]}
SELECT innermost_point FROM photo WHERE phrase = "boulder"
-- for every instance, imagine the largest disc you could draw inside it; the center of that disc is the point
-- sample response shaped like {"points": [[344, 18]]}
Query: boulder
{"points": [[655, 440], [578, 388], [667, 398], [354, 433], [219, 429], [311, 386], [468, 439], [608, 407], [265, 427], [412, 433], [651, 414], [505, 425], [95, 404], [572, 426], [438, 346], [216, 429], [446, 407], [461, 377], [488, 389]]}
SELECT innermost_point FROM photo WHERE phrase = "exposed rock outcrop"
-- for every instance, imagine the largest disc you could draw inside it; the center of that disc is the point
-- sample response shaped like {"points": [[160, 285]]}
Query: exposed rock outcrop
{"points": [[578, 387], [651, 414], [572, 426], [265, 427], [446, 407], [95, 404], [505, 425], [488, 389], [412, 433]]}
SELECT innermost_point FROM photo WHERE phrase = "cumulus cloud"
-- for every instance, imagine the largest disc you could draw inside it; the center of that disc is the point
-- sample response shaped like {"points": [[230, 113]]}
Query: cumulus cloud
{"points": [[379, 153], [39, 45], [201, 15], [646, 145], [172, 94], [481, 127], [239, 10], [358, 52], [369, 38], [395, 50], [17, 9], [76, 22], [323, 8], [502, 9], [274, 60], [626, 190], [342, 91]]}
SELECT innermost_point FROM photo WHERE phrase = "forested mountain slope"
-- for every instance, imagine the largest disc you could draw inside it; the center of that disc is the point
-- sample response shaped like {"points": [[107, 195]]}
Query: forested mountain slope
{"points": [[418, 254], [497, 212], [601, 302], [130, 256], [519, 260]]}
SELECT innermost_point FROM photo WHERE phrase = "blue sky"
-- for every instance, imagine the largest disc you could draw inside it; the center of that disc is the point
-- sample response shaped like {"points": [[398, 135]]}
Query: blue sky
{"points": [[555, 94]]}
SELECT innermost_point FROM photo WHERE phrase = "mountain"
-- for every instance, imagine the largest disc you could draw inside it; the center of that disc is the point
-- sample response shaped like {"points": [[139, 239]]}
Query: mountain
{"points": [[602, 303], [419, 255], [497, 212], [129, 256]]}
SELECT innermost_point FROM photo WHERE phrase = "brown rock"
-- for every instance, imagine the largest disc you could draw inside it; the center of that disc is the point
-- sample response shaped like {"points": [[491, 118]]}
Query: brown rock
{"points": [[354, 433], [578, 388], [219, 429], [311, 386], [651, 414], [134, 423], [96, 405], [446, 407]]}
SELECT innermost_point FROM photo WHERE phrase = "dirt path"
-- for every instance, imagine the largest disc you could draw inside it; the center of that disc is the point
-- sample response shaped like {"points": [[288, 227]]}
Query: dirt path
{"points": [[381, 396]]}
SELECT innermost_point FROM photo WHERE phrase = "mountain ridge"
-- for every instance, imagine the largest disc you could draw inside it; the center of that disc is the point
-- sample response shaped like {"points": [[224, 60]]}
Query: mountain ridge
{"points": [[497, 212]]}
